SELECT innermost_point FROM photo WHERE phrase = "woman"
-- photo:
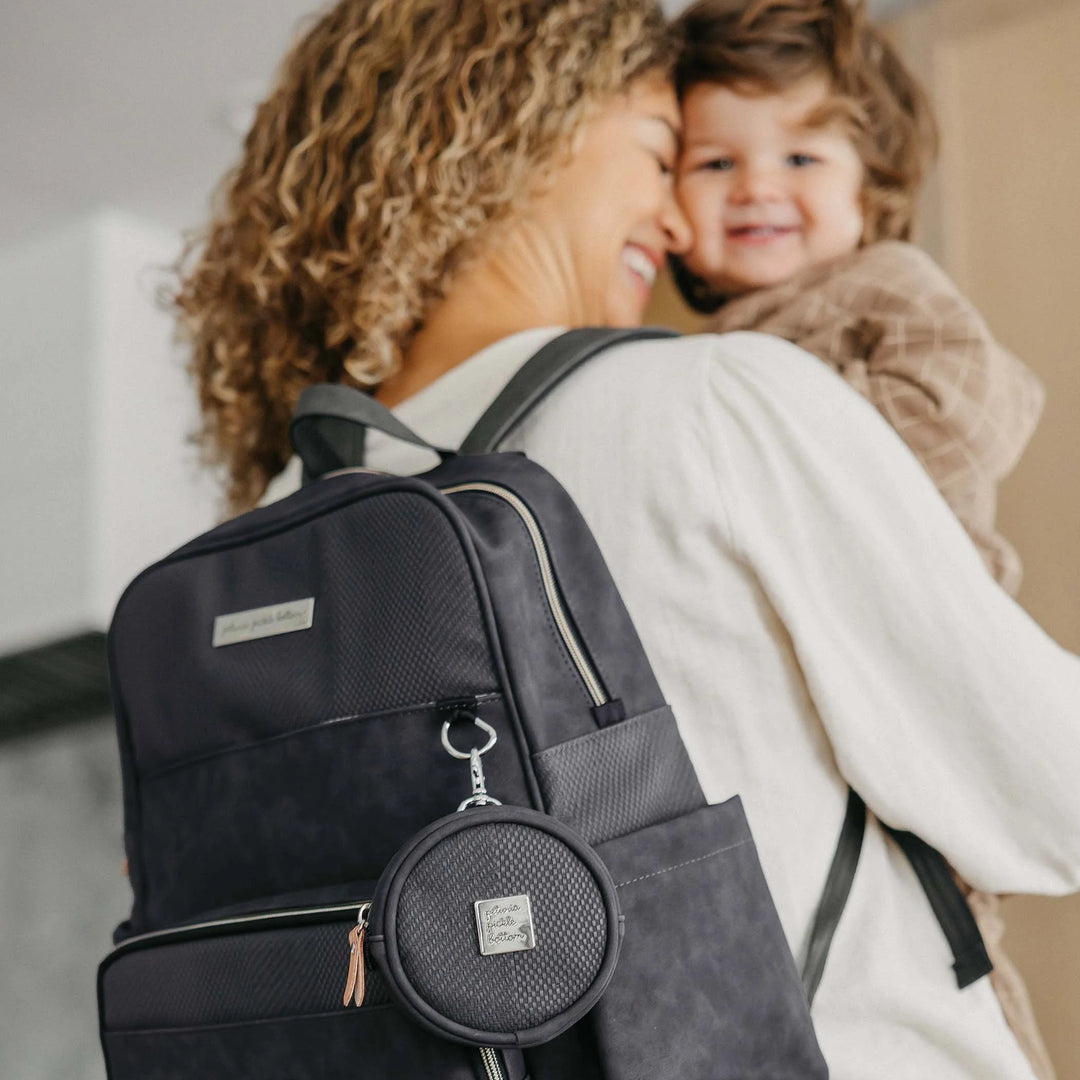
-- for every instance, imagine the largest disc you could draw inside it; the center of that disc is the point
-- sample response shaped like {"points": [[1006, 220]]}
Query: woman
{"points": [[431, 190]]}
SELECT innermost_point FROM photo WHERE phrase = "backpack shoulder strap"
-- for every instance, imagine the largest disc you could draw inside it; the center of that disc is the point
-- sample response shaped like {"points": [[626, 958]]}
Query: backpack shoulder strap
{"points": [[540, 374], [970, 959], [834, 896]]}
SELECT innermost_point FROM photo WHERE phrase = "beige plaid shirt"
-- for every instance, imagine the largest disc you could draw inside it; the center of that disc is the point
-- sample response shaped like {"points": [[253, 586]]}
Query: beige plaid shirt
{"points": [[890, 321]]}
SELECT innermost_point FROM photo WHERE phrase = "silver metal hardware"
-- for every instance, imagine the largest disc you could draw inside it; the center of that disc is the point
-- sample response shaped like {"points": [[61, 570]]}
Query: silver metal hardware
{"points": [[479, 796], [464, 755], [547, 575], [504, 925], [490, 1059], [263, 622]]}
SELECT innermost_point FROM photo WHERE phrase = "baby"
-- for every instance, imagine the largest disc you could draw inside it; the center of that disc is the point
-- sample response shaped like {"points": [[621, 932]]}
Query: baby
{"points": [[806, 142]]}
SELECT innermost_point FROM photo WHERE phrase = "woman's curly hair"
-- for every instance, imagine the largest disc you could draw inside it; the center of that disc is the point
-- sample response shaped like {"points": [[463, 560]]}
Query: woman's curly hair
{"points": [[398, 133], [768, 45]]}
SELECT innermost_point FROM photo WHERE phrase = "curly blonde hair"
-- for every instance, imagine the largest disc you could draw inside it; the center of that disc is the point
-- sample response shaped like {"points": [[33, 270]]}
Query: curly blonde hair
{"points": [[399, 132], [769, 45]]}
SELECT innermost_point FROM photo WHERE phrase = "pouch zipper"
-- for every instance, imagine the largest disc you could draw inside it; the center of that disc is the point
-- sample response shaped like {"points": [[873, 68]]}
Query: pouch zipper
{"points": [[581, 663]]}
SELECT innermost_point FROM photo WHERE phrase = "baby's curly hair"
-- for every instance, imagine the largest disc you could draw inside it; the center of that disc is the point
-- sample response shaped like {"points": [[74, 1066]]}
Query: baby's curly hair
{"points": [[768, 45], [399, 132]]}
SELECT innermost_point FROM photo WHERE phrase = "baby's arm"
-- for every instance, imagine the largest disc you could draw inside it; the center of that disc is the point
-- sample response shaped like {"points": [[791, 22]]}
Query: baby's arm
{"points": [[964, 404]]}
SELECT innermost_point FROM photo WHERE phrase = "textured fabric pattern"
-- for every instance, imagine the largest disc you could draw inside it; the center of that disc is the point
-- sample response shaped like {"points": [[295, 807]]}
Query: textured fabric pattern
{"points": [[893, 325], [621, 778], [396, 623], [437, 936], [258, 975]]}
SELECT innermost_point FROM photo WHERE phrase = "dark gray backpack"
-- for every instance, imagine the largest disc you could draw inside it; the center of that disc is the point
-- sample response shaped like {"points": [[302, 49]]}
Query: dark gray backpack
{"points": [[403, 798]]}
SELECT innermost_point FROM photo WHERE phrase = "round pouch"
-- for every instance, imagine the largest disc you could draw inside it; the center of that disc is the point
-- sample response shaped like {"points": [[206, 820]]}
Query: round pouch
{"points": [[496, 926]]}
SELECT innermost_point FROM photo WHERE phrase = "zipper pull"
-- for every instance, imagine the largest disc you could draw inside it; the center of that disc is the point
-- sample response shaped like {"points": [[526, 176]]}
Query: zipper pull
{"points": [[355, 985]]}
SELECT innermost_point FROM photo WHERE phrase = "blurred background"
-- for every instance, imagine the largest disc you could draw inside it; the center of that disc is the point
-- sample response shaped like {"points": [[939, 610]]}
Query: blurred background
{"points": [[116, 119]]}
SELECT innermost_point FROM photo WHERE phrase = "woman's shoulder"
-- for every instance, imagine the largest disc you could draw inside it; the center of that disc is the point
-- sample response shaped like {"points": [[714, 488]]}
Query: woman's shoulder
{"points": [[694, 368], [711, 393]]}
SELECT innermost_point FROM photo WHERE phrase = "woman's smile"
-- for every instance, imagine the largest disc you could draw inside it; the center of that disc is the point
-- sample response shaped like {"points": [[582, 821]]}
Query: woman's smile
{"points": [[643, 266]]}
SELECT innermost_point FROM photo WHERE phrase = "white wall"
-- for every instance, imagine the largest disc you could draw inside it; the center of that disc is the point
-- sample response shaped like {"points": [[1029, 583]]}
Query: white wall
{"points": [[46, 356], [97, 479], [150, 493]]}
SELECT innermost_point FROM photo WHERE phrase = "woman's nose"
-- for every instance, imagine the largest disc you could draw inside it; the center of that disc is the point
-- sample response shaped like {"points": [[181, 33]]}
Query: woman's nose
{"points": [[677, 232]]}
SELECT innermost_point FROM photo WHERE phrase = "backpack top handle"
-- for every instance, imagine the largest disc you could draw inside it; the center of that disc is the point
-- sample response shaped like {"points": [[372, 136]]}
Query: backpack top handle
{"points": [[329, 423]]}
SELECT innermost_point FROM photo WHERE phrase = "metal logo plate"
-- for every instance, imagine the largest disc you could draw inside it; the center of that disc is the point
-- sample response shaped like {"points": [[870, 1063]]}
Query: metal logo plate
{"points": [[504, 925], [263, 622]]}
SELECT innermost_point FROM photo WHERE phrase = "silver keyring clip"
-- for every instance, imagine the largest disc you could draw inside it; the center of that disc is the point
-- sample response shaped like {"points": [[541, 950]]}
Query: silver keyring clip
{"points": [[479, 796], [493, 738]]}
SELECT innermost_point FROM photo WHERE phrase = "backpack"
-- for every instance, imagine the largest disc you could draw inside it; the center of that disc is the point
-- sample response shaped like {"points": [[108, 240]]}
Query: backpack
{"points": [[402, 797]]}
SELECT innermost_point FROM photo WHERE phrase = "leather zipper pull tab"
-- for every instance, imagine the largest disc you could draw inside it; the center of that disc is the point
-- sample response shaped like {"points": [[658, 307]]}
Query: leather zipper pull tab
{"points": [[355, 984]]}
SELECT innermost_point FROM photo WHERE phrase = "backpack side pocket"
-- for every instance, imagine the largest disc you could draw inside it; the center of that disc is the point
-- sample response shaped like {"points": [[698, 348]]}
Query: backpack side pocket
{"points": [[706, 987]]}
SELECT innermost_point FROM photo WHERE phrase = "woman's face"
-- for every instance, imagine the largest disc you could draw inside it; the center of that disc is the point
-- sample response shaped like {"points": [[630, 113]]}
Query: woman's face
{"points": [[610, 214]]}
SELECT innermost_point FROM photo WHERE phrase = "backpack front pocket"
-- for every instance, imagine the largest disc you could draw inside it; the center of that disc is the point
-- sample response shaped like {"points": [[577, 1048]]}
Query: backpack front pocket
{"points": [[260, 998]]}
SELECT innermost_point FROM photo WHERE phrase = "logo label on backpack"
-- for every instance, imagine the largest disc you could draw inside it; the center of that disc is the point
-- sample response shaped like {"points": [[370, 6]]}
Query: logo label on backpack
{"points": [[504, 925], [263, 622]]}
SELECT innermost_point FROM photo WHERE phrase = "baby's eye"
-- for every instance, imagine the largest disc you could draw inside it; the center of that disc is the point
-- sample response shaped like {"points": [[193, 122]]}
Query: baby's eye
{"points": [[800, 161], [719, 164]]}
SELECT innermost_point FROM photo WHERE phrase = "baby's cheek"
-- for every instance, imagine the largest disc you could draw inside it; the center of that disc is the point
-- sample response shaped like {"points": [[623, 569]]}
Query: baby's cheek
{"points": [[704, 212], [846, 227]]}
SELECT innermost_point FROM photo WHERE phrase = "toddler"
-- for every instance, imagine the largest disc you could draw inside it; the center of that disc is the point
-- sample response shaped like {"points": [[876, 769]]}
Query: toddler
{"points": [[806, 141]]}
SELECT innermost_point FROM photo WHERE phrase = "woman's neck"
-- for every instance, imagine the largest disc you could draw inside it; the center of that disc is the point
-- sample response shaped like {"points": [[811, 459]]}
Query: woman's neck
{"points": [[451, 334], [515, 288]]}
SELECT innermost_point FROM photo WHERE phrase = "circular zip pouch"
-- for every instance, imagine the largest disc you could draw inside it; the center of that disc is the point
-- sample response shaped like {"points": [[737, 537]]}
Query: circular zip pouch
{"points": [[496, 926]]}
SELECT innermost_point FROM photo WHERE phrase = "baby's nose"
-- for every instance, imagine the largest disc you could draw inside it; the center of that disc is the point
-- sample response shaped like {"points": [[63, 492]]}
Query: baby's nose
{"points": [[757, 182]]}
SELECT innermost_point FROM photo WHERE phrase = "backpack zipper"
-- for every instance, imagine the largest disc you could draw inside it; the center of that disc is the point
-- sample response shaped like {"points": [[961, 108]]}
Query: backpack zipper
{"points": [[354, 991], [178, 933], [356, 983], [490, 1059], [573, 646]]}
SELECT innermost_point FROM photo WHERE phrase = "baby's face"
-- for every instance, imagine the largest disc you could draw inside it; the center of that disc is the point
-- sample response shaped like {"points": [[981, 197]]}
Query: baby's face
{"points": [[767, 186]]}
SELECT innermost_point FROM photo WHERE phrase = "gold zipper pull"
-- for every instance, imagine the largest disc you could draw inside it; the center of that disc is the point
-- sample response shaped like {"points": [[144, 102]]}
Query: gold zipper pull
{"points": [[355, 985]]}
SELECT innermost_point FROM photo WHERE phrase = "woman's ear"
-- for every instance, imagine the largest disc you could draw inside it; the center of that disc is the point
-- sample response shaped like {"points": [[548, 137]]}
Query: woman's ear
{"points": [[694, 290]]}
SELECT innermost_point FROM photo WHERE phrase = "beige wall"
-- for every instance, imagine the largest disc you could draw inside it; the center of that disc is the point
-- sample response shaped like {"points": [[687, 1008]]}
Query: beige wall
{"points": [[1003, 215], [1006, 78]]}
